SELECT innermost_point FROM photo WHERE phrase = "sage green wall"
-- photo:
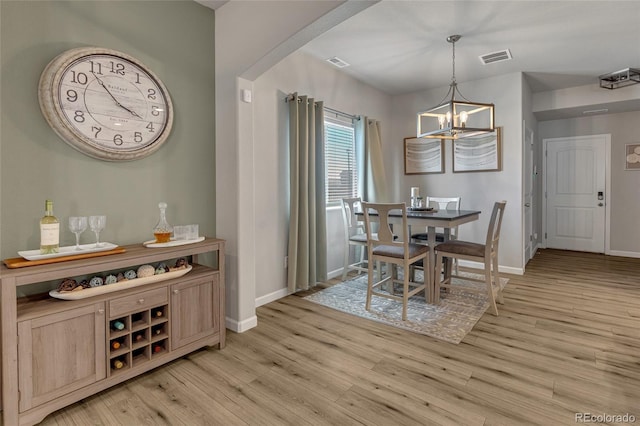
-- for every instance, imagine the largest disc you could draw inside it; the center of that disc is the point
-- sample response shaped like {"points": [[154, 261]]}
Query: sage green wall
{"points": [[173, 38]]}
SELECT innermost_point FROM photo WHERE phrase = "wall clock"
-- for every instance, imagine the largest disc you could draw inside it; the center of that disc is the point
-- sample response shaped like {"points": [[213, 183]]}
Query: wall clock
{"points": [[105, 103]]}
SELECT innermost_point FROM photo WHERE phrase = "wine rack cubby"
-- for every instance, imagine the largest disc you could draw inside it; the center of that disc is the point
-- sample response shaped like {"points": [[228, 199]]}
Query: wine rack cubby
{"points": [[138, 337]]}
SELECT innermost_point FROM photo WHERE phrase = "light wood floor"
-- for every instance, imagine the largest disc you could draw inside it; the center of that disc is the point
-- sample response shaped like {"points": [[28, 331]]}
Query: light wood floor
{"points": [[567, 341]]}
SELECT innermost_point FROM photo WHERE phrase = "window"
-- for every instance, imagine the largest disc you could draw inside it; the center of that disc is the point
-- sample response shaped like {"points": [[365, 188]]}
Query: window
{"points": [[341, 177]]}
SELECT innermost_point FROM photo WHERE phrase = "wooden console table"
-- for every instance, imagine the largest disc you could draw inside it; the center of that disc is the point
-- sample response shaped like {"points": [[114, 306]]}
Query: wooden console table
{"points": [[56, 352]]}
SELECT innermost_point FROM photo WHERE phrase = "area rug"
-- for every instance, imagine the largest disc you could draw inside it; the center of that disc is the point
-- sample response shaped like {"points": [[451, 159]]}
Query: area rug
{"points": [[450, 320]]}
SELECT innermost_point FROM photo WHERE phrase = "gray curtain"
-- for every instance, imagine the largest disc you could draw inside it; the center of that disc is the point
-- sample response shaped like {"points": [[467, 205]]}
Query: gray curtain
{"points": [[372, 180], [307, 217]]}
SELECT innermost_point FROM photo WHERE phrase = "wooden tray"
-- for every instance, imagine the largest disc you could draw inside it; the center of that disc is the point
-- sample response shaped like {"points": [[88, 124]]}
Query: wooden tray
{"points": [[108, 288], [20, 262]]}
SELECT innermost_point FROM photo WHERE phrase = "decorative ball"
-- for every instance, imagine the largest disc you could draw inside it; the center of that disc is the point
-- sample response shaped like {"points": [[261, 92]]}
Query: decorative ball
{"points": [[164, 266], [146, 271], [96, 282], [120, 277], [182, 263], [84, 284], [110, 279], [160, 270], [130, 274]]}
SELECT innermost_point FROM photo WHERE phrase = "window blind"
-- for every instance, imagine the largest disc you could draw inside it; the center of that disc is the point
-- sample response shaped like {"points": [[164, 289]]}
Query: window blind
{"points": [[341, 175]]}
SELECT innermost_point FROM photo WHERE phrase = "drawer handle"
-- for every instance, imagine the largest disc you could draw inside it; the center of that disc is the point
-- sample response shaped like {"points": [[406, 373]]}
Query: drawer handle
{"points": [[100, 311], [176, 291], [141, 301]]}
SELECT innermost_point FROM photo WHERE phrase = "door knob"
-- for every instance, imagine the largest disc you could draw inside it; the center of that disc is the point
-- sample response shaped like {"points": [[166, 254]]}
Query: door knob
{"points": [[527, 204], [600, 204]]}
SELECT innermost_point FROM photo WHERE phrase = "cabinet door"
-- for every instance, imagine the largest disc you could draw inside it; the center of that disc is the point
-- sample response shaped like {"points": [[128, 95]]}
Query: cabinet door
{"points": [[193, 311], [60, 353]]}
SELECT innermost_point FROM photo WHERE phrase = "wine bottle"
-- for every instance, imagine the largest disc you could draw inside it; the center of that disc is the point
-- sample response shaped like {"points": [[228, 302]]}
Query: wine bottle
{"points": [[118, 325], [49, 230]]}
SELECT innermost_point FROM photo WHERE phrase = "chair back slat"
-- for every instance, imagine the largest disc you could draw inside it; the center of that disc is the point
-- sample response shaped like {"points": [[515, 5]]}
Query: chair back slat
{"points": [[444, 203], [495, 223], [385, 231], [352, 225]]}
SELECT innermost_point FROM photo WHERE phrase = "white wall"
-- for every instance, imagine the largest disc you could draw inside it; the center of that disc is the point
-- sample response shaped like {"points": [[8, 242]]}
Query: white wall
{"points": [[250, 37], [308, 76], [479, 191], [625, 184]]}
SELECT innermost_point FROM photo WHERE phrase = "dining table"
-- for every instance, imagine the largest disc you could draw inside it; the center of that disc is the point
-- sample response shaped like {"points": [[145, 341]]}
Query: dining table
{"points": [[431, 219]]}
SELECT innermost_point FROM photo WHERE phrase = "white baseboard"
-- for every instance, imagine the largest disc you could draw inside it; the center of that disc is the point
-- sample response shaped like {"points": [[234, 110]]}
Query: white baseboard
{"points": [[242, 326], [505, 269], [268, 298], [624, 253], [535, 249], [334, 274]]}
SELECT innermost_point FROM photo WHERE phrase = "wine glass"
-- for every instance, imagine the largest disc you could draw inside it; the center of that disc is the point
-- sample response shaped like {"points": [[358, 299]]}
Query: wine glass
{"points": [[97, 224], [77, 225]]}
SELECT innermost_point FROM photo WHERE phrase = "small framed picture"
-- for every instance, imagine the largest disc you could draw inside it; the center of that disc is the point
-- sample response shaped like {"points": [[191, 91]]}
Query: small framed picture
{"points": [[632, 160], [482, 153], [423, 156]]}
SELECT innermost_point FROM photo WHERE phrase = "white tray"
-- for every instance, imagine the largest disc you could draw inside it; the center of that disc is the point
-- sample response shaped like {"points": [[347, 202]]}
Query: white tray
{"points": [[172, 243], [67, 251], [108, 288]]}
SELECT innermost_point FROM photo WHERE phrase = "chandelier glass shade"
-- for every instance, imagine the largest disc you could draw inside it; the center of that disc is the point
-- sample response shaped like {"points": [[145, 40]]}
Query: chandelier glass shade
{"points": [[455, 119]]}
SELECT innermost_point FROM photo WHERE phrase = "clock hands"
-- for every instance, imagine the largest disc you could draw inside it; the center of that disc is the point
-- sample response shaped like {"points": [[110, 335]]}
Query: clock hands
{"points": [[104, 86]]}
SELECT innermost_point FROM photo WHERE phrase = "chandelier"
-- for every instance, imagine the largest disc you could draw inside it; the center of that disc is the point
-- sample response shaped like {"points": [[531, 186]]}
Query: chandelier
{"points": [[455, 119]]}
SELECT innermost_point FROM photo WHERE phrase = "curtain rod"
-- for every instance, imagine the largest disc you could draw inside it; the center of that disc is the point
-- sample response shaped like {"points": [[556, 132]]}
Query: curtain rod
{"points": [[344, 114], [331, 110]]}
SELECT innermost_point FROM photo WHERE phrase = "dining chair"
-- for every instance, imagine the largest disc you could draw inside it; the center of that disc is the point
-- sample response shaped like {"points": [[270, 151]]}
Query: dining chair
{"points": [[383, 247], [440, 203], [354, 236], [487, 254]]}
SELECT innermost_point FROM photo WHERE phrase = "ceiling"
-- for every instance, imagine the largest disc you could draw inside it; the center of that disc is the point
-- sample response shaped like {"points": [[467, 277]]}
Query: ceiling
{"points": [[400, 46]]}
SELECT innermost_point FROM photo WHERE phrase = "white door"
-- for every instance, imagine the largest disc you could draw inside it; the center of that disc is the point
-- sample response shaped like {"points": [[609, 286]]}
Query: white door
{"points": [[575, 193], [527, 209]]}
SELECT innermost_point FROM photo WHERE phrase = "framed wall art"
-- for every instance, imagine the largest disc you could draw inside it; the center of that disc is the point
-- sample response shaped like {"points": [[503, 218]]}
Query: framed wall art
{"points": [[423, 156], [632, 159], [482, 153]]}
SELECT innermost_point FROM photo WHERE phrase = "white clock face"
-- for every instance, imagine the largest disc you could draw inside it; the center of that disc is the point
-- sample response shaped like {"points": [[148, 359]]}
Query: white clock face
{"points": [[106, 105]]}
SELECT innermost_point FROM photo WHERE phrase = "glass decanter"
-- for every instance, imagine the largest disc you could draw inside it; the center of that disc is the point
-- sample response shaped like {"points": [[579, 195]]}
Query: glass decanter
{"points": [[162, 230]]}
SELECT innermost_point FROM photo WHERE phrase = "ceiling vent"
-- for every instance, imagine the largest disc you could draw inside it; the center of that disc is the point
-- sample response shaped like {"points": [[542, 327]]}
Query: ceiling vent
{"points": [[337, 62], [499, 56], [618, 79]]}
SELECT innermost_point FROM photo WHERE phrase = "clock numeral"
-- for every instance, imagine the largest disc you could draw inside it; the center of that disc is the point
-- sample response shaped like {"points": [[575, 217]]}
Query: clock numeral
{"points": [[79, 77], [150, 127], [137, 137], [97, 130], [155, 110], [79, 116], [151, 93], [117, 68], [96, 67], [138, 77], [72, 95], [117, 139]]}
